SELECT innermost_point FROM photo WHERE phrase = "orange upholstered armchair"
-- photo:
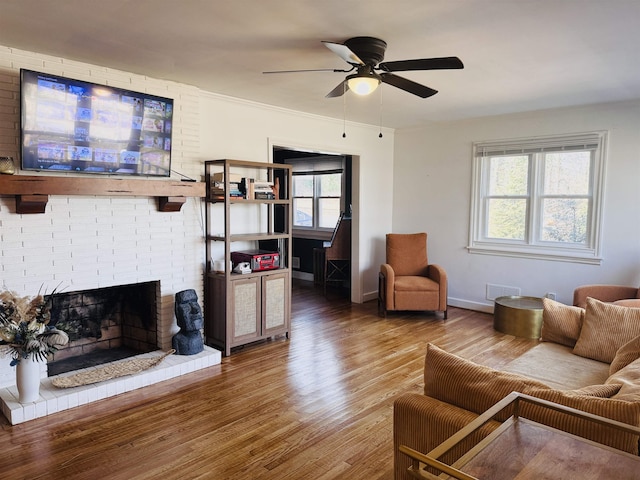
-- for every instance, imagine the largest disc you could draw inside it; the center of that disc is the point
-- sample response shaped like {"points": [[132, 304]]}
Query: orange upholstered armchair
{"points": [[620, 294], [407, 281]]}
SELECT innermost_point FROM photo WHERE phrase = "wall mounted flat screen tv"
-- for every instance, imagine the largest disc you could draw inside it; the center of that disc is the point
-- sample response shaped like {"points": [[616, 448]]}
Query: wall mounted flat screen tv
{"points": [[71, 125]]}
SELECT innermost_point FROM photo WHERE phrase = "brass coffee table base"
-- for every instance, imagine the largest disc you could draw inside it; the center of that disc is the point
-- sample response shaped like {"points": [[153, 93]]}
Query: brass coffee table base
{"points": [[519, 316]]}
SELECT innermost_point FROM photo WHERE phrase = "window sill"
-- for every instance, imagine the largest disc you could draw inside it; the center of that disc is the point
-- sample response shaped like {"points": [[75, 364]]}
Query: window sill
{"points": [[586, 257]]}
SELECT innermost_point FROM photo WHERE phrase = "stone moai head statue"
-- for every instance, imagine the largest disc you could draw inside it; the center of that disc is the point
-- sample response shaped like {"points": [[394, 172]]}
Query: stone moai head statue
{"points": [[188, 311]]}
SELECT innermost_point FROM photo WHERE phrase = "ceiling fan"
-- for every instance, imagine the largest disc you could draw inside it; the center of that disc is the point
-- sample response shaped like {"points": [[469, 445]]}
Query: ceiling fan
{"points": [[365, 55]]}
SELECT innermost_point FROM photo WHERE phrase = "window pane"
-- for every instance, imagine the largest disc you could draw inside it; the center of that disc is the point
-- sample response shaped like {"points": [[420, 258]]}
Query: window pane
{"points": [[328, 212], [331, 185], [508, 175], [567, 173], [303, 212], [565, 220], [303, 185], [506, 219]]}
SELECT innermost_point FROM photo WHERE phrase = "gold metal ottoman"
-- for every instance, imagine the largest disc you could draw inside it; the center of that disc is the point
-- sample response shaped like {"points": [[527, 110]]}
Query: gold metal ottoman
{"points": [[519, 316]]}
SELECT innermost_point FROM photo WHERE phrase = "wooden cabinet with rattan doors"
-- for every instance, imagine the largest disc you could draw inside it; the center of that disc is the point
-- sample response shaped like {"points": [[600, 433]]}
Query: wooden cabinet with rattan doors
{"points": [[241, 308]]}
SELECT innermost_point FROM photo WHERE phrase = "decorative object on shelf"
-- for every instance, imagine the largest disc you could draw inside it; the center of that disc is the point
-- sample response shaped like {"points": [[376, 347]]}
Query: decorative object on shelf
{"points": [[188, 341], [7, 166], [27, 337]]}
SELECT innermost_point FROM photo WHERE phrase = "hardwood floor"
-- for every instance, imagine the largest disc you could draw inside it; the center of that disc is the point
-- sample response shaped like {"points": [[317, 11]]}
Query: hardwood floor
{"points": [[316, 406]]}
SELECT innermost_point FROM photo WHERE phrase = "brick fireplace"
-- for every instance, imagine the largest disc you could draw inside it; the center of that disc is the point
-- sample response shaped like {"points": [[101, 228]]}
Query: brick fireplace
{"points": [[84, 241], [105, 324]]}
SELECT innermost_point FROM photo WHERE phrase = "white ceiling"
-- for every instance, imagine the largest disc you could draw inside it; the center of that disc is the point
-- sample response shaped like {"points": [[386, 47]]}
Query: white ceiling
{"points": [[519, 55]]}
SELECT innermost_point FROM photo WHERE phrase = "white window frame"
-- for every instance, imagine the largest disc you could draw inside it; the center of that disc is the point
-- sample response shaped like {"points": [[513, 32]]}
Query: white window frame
{"points": [[317, 166], [532, 246], [316, 203]]}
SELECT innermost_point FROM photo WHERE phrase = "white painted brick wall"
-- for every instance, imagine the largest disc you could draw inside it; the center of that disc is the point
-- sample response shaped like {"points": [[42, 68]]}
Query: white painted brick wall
{"points": [[84, 242]]}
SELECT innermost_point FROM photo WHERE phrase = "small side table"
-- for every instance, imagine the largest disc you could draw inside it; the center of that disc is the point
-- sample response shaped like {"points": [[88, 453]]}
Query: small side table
{"points": [[519, 316]]}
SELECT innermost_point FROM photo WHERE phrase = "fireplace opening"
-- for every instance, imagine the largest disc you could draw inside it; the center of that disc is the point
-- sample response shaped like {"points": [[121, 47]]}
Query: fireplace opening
{"points": [[105, 324]]}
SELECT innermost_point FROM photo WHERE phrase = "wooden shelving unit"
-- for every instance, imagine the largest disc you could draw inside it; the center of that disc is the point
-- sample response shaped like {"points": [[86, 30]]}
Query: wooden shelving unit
{"points": [[32, 191], [243, 308]]}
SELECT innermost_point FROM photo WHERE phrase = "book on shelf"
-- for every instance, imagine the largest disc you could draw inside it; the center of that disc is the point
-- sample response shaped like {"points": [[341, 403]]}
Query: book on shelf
{"points": [[247, 187], [218, 188], [221, 196], [264, 184], [264, 196]]}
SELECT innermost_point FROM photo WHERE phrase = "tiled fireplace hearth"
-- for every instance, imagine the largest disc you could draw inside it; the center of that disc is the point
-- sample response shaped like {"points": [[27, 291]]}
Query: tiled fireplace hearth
{"points": [[53, 399], [112, 324]]}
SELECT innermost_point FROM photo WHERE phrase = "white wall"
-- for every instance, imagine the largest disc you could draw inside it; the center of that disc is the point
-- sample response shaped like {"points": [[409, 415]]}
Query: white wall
{"points": [[432, 193], [240, 130]]}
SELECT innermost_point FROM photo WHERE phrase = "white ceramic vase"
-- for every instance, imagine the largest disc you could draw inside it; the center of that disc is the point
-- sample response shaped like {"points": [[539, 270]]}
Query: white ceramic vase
{"points": [[28, 380]]}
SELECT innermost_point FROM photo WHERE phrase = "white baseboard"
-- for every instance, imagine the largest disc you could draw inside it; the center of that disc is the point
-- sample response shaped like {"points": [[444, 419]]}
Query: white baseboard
{"points": [[367, 297], [466, 304], [453, 302], [302, 275]]}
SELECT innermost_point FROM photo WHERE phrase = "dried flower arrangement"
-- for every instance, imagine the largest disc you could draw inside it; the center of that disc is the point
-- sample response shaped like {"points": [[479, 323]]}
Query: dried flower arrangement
{"points": [[24, 329]]}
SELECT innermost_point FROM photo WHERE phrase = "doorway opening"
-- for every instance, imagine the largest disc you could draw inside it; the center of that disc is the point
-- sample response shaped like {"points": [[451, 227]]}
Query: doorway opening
{"points": [[322, 210]]}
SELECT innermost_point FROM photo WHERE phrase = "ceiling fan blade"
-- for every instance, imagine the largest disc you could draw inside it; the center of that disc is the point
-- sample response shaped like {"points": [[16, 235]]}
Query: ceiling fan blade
{"points": [[407, 85], [311, 70], [340, 90], [443, 63], [344, 53]]}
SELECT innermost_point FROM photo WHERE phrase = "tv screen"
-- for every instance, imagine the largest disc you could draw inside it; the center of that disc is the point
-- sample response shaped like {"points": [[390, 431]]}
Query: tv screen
{"points": [[76, 126]]}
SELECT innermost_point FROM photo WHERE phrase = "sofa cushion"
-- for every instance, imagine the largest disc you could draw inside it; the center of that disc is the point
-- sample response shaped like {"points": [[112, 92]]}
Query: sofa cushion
{"points": [[629, 378], [605, 329], [561, 323], [465, 384], [557, 367], [626, 354], [606, 390], [614, 409]]}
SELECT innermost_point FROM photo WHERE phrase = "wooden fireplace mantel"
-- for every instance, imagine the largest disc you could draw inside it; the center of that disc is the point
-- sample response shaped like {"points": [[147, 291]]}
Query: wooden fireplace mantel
{"points": [[32, 191]]}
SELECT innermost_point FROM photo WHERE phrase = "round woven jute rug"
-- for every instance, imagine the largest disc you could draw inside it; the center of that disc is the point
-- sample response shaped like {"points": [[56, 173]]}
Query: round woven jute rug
{"points": [[107, 372]]}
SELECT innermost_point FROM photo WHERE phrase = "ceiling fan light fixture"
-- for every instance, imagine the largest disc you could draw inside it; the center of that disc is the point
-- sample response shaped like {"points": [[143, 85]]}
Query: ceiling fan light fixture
{"points": [[362, 84]]}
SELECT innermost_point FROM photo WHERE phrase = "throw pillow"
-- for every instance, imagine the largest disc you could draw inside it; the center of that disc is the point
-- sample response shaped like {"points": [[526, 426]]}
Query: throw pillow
{"points": [[626, 354], [629, 378], [600, 391], [561, 323], [467, 385], [619, 410], [605, 329]]}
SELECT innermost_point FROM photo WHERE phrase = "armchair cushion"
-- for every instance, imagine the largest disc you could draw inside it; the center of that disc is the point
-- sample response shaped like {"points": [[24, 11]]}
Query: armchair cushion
{"points": [[606, 328], [407, 253]]}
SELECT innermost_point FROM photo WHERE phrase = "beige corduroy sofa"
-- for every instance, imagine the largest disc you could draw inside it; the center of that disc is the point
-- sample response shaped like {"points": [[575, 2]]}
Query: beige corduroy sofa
{"points": [[587, 359]]}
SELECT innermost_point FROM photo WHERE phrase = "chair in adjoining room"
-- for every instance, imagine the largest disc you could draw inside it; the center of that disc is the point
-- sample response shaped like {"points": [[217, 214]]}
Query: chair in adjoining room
{"points": [[407, 281]]}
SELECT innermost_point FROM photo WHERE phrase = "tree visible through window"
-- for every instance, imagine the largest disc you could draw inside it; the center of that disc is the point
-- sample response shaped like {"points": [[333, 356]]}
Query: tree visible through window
{"points": [[539, 197]]}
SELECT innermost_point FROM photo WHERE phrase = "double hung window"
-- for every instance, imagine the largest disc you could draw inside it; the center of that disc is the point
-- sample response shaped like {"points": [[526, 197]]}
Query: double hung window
{"points": [[539, 197], [317, 195]]}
